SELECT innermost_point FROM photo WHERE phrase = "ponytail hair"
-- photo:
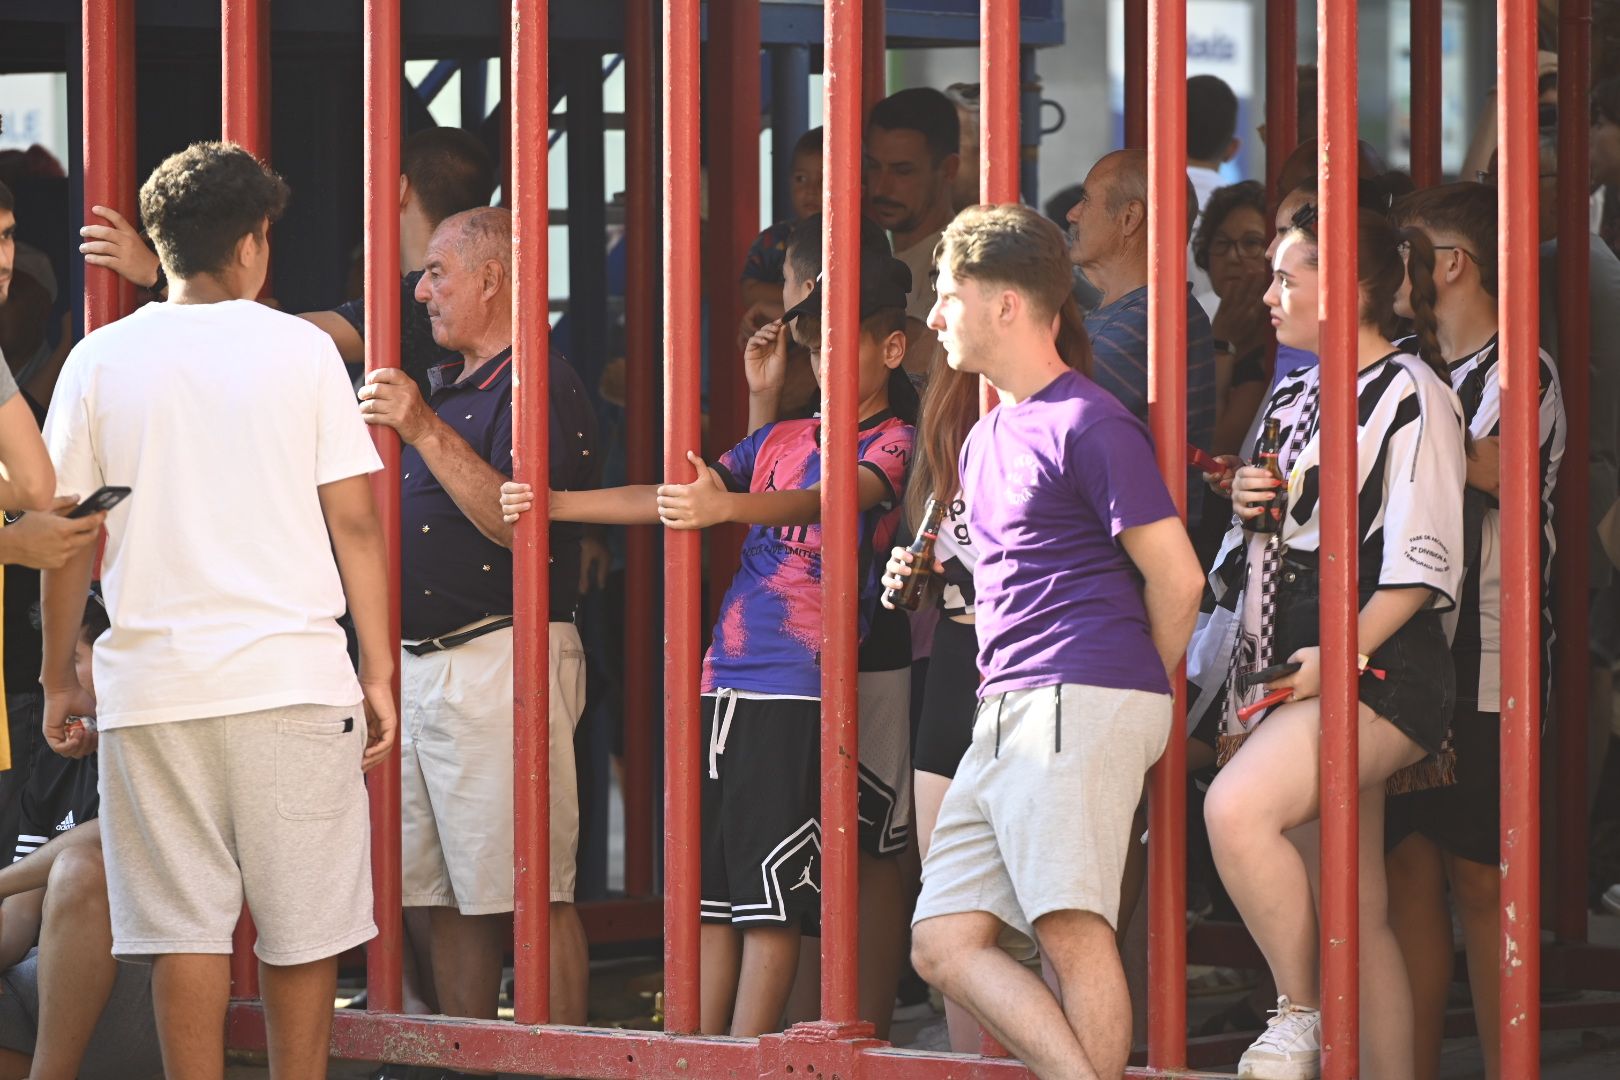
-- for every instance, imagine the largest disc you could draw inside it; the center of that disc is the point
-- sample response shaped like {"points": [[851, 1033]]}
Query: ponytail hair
{"points": [[1420, 273], [1073, 343]]}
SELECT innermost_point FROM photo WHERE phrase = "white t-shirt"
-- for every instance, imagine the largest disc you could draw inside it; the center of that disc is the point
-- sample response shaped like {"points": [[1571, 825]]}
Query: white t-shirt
{"points": [[218, 575], [1205, 183]]}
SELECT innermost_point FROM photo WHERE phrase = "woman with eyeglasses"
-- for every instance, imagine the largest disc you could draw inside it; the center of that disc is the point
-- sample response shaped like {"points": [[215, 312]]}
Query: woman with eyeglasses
{"points": [[1230, 246], [1262, 610]]}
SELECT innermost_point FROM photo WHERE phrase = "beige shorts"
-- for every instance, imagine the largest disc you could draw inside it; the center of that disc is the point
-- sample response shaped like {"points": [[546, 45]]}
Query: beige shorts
{"points": [[456, 772], [268, 807], [1038, 817]]}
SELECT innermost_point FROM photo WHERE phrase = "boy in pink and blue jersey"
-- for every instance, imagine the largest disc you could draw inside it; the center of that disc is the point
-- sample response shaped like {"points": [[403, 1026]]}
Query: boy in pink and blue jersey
{"points": [[762, 675]]}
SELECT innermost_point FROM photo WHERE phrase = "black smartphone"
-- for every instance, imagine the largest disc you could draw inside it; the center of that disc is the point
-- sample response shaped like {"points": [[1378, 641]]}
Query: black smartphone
{"points": [[101, 499], [1265, 675]]}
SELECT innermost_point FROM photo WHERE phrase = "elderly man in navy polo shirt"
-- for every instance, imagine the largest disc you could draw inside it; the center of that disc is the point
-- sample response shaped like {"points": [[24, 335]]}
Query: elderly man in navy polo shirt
{"points": [[456, 610]]}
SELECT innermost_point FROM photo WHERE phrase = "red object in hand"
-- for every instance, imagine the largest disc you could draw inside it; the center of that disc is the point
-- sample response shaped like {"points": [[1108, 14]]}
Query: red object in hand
{"points": [[1276, 697], [1202, 460]]}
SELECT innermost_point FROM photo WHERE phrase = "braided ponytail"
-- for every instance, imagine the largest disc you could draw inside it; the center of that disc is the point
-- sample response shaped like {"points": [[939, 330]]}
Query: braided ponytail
{"points": [[1420, 274], [1073, 343]]}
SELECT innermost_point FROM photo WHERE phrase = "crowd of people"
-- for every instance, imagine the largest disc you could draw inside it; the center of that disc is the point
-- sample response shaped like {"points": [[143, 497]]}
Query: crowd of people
{"points": [[192, 708]]}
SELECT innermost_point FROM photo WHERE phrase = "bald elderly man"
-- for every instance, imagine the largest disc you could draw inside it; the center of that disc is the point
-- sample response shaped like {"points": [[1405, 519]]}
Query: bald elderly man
{"points": [[1108, 241], [456, 614]]}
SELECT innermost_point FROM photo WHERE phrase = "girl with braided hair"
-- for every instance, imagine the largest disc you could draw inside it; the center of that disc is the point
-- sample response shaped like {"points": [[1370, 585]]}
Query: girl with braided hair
{"points": [[1263, 608], [1448, 836]]}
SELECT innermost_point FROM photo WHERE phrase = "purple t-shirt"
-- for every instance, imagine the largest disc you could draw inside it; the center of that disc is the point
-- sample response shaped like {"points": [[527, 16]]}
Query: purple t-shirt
{"points": [[1054, 480]]}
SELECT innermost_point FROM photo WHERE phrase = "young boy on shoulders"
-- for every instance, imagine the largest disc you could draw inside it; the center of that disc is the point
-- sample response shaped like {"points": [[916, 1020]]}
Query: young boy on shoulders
{"points": [[761, 838]]}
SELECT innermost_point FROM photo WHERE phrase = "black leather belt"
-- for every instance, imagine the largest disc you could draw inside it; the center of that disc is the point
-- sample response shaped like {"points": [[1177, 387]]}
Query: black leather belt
{"points": [[450, 641]]}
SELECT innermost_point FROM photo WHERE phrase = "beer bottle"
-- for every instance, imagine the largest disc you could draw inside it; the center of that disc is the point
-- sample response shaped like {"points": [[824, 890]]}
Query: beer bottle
{"points": [[909, 595], [1266, 451]]}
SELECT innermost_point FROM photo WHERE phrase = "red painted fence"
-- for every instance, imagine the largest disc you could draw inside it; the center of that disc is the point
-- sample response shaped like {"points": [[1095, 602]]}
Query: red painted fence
{"points": [[1155, 33]]}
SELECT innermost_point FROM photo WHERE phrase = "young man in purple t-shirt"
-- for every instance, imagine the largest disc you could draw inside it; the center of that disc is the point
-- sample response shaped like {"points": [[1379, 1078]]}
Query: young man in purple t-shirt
{"points": [[1087, 591]]}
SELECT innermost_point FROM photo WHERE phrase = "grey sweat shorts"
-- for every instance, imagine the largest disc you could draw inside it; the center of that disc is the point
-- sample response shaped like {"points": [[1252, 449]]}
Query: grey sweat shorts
{"points": [[1038, 817], [124, 1044], [270, 807]]}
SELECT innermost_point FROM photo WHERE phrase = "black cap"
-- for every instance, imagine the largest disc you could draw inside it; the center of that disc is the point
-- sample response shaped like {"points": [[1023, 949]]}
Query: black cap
{"points": [[885, 283]]}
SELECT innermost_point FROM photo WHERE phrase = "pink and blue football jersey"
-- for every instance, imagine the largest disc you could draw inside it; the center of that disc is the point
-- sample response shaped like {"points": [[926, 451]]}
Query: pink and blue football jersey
{"points": [[768, 637]]}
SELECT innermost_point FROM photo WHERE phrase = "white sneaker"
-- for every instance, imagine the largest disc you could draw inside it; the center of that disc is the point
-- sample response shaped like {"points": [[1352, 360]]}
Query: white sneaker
{"points": [[1611, 899], [1289, 1049]]}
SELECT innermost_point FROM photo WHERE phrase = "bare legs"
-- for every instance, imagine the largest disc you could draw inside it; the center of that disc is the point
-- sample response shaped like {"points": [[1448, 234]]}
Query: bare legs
{"points": [[929, 791], [1086, 1036], [746, 978], [1259, 796], [1420, 874], [76, 969]]}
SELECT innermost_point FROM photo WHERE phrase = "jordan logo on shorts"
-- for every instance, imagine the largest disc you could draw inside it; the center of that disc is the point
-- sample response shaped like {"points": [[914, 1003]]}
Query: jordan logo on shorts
{"points": [[804, 879]]}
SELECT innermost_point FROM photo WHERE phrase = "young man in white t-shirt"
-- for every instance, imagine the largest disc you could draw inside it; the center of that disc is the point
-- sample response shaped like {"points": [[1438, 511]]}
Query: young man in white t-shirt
{"points": [[233, 732]]}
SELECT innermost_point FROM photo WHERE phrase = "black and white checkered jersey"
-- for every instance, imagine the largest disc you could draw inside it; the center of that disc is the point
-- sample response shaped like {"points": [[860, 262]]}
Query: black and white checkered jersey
{"points": [[1410, 477], [1476, 624]]}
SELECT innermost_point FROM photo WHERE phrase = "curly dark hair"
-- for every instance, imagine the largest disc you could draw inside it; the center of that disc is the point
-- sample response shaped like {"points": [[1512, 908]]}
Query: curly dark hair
{"points": [[1222, 202], [201, 201]]}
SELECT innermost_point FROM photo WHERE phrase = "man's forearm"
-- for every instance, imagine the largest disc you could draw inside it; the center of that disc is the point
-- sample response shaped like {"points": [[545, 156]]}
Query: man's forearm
{"points": [[472, 483], [62, 596], [1172, 613], [635, 504], [362, 558]]}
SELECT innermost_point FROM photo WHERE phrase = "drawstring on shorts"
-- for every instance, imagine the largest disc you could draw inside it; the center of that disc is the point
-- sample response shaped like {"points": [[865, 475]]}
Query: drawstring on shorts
{"points": [[1057, 735], [723, 699]]}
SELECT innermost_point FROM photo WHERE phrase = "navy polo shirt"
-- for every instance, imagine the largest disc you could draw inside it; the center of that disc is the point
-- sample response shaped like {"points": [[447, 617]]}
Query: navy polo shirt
{"points": [[452, 574]]}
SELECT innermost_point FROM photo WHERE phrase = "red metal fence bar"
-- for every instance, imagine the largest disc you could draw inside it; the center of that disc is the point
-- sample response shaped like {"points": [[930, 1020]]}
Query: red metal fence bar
{"points": [[531, 464], [998, 101], [1167, 413], [733, 105], [244, 33], [1339, 930], [999, 140], [1518, 161], [840, 410], [1282, 88], [1426, 91], [384, 956], [682, 568], [108, 80], [1573, 516], [1136, 92], [127, 182], [641, 463]]}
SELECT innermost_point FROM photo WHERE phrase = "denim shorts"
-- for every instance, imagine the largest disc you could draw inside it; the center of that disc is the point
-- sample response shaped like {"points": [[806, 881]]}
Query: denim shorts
{"points": [[1419, 689]]}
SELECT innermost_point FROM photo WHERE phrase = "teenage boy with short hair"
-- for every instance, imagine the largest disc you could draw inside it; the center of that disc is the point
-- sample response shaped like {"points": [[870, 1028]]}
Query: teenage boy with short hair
{"points": [[1087, 589], [762, 676], [233, 733]]}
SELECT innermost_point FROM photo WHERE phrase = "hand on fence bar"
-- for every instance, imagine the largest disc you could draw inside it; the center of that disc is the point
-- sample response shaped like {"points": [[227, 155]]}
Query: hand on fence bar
{"points": [[119, 247], [696, 505], [516, 500]]}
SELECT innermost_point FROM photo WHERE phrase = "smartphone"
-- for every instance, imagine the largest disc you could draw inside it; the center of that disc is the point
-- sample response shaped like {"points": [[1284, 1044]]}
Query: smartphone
{"points": [[1265, 675], [104, 498]]}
